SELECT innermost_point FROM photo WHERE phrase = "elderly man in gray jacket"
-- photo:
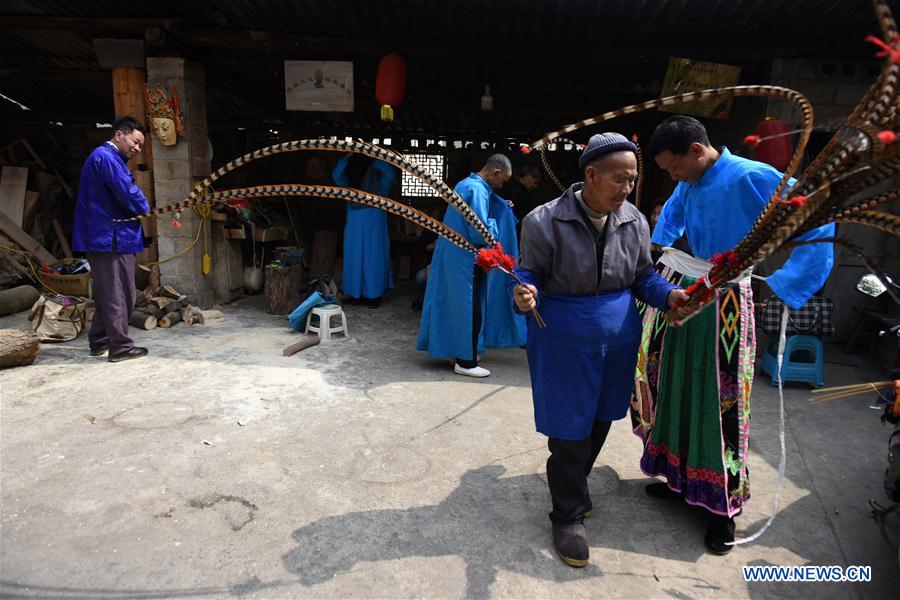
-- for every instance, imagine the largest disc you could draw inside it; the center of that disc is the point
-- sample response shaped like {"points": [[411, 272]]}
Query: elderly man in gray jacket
{"points": [[585, 257]]}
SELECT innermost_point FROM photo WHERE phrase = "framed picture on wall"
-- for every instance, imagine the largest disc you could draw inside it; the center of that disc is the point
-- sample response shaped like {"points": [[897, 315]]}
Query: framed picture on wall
{"points": [[686, 75], [318, 85]]}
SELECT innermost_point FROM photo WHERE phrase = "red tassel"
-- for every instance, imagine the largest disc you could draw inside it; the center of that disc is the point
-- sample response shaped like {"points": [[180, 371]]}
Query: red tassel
{"points": [[752, 140], [887, 137], [634, 138], [176, 224], [892, 50], [525, 148], [796, 201]]}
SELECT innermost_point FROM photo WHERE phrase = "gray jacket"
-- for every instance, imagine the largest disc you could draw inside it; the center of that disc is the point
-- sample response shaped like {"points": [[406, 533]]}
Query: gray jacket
{"points": [[558, 246]]}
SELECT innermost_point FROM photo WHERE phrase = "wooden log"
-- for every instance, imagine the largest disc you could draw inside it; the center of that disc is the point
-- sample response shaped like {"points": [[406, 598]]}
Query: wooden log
{"points": [[142, 320], [283, 289], [18, 299], [18, 347], [169, 319], [302, 345], [208, 317], [152, 310], [162, 302]]}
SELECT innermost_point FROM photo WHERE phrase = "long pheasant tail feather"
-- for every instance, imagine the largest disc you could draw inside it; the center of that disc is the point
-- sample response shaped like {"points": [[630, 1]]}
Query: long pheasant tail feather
{"points": [[873, 218], [413, 168], [770, 91], [349, 195]]}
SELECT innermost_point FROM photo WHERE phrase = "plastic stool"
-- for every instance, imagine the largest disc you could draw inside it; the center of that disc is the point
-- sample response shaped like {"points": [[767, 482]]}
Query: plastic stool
{"points": [[793, 369], [324, 327]]}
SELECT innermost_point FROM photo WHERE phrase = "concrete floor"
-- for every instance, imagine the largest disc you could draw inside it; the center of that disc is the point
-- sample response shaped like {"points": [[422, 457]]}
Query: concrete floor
{"points": [[360, 468]]}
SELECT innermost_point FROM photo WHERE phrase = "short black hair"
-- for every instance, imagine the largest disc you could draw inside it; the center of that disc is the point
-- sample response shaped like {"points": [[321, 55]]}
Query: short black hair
{"points": [[676, 134], [127, 124], [530, 169], [499, 161]]}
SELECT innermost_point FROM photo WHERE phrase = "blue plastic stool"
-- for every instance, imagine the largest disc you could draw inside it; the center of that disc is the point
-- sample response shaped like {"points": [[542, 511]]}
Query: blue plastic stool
{"points": [[796, 365]]}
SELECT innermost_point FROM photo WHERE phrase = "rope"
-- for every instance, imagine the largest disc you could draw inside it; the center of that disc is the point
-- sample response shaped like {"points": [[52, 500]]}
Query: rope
{"points": [[782, 460]]}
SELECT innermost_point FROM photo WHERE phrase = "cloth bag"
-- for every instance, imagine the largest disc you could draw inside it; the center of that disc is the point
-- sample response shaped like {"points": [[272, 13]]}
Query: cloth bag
{"points": [[57, 318]]}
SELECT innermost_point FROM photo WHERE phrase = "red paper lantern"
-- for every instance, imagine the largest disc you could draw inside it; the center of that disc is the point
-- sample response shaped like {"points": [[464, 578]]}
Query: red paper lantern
{"points": [[390, 84], [775, 146]]}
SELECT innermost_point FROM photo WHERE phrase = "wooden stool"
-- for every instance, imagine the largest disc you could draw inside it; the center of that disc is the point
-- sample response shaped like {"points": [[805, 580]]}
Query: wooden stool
{"points": [[324, 329]]}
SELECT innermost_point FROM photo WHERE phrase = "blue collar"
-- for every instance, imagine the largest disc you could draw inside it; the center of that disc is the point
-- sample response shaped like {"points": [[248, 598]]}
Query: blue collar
{"points": [[710, 173]]}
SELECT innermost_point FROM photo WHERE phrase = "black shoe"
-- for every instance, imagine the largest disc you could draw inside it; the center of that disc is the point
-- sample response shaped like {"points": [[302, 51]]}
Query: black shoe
{"points": [[570, 541], [661, 491], [99, 350], [373, 302], [135, 352], [718, 534]]}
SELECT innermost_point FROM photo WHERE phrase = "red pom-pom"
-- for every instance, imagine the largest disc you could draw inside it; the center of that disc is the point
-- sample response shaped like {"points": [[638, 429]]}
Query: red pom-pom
{"points": [[752, 140], [525, 148], [491, 258], [176, 224], [887, 137]]}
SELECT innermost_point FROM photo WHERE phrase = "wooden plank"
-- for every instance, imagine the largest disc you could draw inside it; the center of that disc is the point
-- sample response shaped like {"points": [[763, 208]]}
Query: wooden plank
{"points": [[12, 193], [63, 242], [31, 199], [23, 239]]}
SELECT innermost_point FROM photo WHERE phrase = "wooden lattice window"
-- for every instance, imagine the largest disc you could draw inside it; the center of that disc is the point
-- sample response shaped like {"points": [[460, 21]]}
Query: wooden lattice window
{"points": [[413, 187]]}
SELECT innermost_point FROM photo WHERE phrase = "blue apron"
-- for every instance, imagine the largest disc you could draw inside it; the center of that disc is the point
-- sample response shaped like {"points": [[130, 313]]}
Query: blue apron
{"points": [[582, 364]]}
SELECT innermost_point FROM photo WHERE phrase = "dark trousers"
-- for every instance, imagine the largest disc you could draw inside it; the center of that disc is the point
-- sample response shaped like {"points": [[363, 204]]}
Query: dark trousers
{"points": [[568, 468], [114, 294], [477, 285]]}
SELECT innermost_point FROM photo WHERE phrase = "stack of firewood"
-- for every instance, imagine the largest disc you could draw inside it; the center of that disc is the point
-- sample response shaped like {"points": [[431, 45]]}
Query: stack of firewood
{"points": [[165, 306]]}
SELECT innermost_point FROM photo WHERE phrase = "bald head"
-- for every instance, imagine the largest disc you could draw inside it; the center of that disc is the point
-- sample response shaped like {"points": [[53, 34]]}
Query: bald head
{"points": [[496, 171]]}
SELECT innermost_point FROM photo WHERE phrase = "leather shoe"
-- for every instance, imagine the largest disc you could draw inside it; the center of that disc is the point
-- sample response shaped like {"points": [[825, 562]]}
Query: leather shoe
{"points": [[718, 534], [135, 352], [570, 541], [99, 350]]}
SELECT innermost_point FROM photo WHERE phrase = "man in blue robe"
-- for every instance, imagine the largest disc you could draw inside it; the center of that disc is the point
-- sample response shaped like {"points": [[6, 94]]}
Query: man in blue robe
{"points": [[367, 246], [504, 327], [106, 192], [585, 258], [692, 391], [453, 313]]}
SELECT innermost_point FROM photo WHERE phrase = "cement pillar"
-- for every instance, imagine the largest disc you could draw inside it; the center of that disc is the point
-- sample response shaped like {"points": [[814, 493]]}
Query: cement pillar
{"points": [[176, 169]]}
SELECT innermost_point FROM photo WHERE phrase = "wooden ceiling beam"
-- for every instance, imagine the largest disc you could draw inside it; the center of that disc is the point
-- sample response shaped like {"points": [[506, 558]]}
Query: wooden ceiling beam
{"points": [[98, 24]]}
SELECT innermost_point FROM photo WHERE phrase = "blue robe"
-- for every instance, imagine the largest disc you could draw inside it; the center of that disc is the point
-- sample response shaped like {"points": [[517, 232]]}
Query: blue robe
{"points": [[367, 247], [445, 330], [714, 222], [504, 326], [107, 191]]}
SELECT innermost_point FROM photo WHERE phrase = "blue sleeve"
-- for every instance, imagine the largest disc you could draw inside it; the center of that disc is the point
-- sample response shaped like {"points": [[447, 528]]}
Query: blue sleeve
{"points": [[387, 175], [651, 288], [670, 226], [124, 191], [806, 269], [339, 173]]}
